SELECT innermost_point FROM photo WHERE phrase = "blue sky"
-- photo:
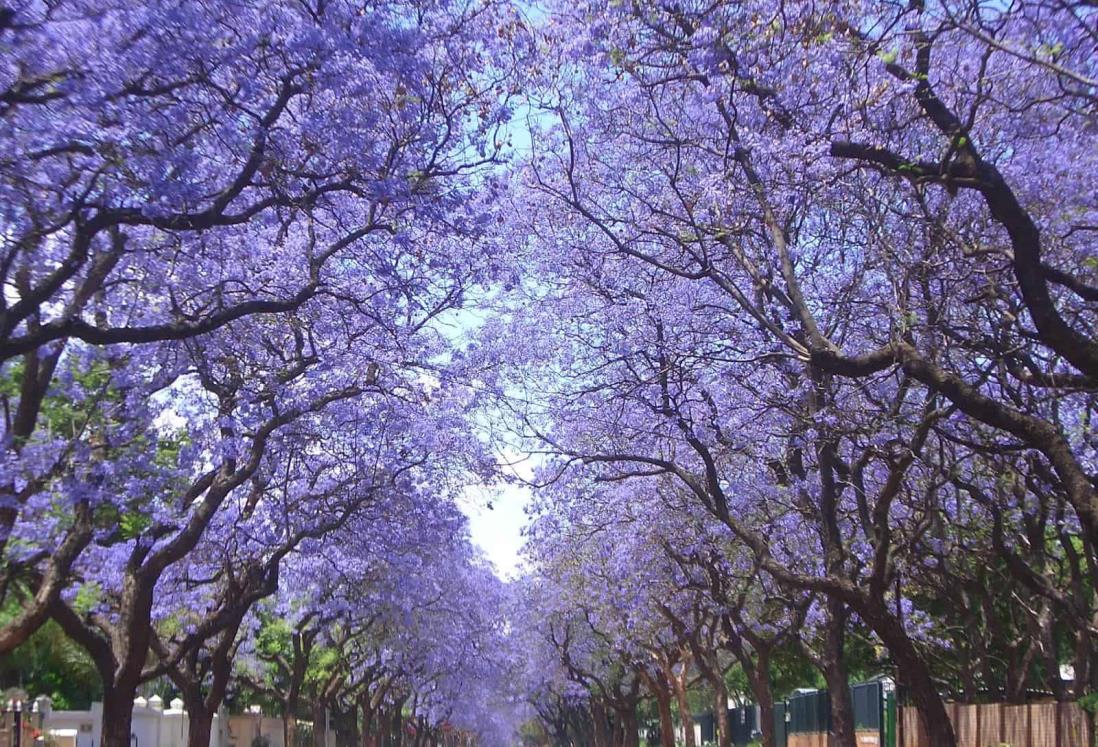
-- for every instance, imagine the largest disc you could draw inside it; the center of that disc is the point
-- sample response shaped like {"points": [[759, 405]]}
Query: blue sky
{"points": [[498, 531]]}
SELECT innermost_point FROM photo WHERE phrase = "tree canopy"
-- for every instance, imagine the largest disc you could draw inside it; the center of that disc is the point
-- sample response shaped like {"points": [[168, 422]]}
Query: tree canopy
{"points": [[787, 310]]}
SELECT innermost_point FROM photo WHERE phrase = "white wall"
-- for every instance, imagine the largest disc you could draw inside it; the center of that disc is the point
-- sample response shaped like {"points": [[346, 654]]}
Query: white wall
{"points": [[241, 729], [74, 728], [156, 726]]}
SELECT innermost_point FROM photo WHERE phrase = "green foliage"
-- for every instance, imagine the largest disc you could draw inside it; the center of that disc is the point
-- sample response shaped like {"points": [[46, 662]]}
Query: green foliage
{"points": [[87, 596], [81, 418], [51, 664], [860, 654], [790, 670], [64, 416], [168, 448], [1051, 51], [274, 637], [1089, 703]]}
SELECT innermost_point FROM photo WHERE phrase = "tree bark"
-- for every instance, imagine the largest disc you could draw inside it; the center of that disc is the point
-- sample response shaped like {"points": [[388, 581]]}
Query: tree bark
{"points": [[685, 716], [600, 726], [395, 724], [117, 715], [367, 721], [320, 724], [721, 723], [629, 727], [914, 673], [353, 738], [667, 720], [199, 727], [766, 720], [757, 670], [834, 672], [617, 734], [188, 676]]}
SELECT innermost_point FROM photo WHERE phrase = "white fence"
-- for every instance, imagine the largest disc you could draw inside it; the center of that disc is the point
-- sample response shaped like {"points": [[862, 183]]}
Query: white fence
{"points": [[157, 726]]}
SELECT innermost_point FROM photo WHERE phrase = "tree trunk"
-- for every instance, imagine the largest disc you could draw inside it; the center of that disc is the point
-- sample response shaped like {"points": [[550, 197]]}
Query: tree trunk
{"points": [[398, 727], [117, 716], [685, 716], [383, 728], [757, 671], [667, 720], [834, 672], [617, 734], [629, 728], [289, 729], [721, 724], [367, 722], [320, 724], [914, 673], [352, 738], [766, 718], [200, 706], [600, 725], [842, 707], [199, 726], [1083, 664], [188, 677]]}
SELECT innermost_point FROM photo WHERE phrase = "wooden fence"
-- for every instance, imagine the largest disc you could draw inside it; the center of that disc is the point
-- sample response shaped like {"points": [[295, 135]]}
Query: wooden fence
{"points": [[1033, 725], [19, 729]]}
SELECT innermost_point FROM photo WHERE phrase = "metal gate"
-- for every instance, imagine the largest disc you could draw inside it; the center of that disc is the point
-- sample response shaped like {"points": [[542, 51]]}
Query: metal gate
{"points": [[708, 728], [781, 726], [810, 713], [743, 723], [868, 700]]}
